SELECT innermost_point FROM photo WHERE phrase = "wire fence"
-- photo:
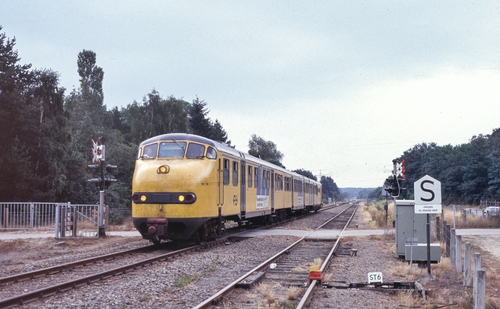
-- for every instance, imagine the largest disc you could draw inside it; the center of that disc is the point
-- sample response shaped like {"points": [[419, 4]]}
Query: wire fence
{"points": [[464, 261]]}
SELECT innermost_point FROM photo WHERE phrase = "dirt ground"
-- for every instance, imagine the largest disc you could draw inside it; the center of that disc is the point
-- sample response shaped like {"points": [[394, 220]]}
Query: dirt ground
{"points": [[29, 250]]}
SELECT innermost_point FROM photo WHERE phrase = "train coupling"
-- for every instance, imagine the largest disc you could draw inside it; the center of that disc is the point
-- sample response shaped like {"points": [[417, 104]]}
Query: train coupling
{"points": [[157, 226]]}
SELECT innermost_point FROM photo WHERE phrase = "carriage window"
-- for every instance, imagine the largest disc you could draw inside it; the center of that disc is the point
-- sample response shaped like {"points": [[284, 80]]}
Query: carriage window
{"points": [[256, 177], [235, 173], [267, 179], [211, 154], [280, 183], [195, 151], [150, 151], [226, 172], [250, 177], [172, 150]]}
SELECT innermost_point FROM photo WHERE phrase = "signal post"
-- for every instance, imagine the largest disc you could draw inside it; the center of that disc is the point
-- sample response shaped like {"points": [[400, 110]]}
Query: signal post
{"points": [[98, 160]]}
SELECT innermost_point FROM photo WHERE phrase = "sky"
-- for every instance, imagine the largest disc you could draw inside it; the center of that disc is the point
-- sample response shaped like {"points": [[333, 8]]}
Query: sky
{"points": [[341, 87]]}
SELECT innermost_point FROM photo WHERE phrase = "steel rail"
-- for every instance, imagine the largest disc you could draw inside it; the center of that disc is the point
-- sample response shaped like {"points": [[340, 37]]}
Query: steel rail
{"points": [[73, 284], [307, 295], [60, 268], [227, 289]]}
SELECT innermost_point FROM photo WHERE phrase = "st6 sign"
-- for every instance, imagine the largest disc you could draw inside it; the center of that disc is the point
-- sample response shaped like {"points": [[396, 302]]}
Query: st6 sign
{"points": [[427, 195]]}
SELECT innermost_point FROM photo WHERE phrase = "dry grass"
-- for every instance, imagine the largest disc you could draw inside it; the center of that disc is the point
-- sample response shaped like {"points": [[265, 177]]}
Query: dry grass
{"points": [[445, 284], [408, 299], [465, 220], [293, 292], [327, 277], [376, 216], [318, 261]]}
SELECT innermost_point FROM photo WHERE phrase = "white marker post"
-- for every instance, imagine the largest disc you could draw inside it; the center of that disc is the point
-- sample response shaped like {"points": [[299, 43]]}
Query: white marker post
{"points": [[428, 201]]}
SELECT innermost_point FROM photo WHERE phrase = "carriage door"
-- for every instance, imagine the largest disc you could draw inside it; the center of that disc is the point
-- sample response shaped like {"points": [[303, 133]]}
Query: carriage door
{"points": [[243, 188], [220, 184], [272, 191]]}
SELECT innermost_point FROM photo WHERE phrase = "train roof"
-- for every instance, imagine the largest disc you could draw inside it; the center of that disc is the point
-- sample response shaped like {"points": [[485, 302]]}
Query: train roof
{"points": [[221, 147]]}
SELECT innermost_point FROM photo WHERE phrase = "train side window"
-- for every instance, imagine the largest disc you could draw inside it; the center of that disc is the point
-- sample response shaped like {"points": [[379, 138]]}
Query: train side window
{"points": [[211, 153], [226, 172], [249, 177], [150, 151], [195, 151], [256, 177], [235, 173]]}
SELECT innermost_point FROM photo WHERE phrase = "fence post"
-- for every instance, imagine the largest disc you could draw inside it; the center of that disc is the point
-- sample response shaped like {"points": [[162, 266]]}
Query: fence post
{"points": [[480, 302], [453, 243], [447, 238], [467, 272], [458, 254], [2, 218], [74, 212], [438, 229], [58, 211], [477, 266], [62, 219], [32, 215]]}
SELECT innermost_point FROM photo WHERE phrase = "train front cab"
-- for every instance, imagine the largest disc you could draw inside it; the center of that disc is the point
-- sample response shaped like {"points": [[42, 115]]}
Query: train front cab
{"points": [[172, 194]]}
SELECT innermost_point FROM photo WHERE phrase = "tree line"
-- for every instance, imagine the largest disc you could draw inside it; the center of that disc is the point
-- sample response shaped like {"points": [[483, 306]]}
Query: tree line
{"points": [[46, 134], [468, 173]]}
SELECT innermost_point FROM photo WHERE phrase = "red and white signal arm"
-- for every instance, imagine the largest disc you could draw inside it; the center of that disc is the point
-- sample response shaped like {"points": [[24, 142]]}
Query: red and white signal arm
{"points": [[400, 169], [427, 196]]}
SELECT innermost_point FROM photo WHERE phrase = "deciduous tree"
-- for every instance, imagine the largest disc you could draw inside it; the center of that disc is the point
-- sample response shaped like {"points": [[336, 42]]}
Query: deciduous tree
{"points": [[266, 150]]}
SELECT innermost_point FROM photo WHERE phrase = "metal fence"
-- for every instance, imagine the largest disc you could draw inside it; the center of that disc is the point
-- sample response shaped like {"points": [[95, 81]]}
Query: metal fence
{"points": [[78, 220], [27, 215], [65, 219], [487, 203]]}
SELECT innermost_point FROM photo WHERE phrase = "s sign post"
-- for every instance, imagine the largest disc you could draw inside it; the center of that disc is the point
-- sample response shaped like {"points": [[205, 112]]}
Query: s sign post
{"points": [[428, 201]]}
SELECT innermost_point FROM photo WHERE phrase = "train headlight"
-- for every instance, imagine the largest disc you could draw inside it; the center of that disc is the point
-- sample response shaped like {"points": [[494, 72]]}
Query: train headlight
{"points": [[143, 198], [186, 198], [164, 169]]}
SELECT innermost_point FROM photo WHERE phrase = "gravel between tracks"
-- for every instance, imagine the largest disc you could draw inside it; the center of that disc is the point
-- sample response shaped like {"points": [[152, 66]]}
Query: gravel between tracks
{"points": [[185, 282]]}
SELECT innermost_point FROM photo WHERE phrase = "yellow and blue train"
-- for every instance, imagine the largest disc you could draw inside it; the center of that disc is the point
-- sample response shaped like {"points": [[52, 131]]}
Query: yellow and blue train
{"points": [[185, 187]]}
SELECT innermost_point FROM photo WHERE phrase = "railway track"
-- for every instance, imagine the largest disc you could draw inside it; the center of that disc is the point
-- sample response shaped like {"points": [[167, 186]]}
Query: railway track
{"points": [[24, 288], [49, 281], [288, 273]]}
